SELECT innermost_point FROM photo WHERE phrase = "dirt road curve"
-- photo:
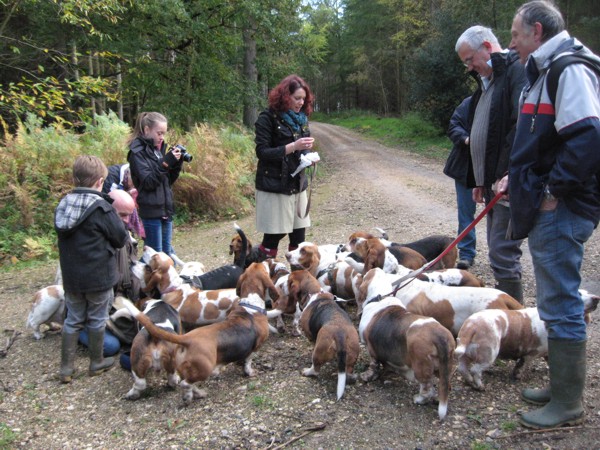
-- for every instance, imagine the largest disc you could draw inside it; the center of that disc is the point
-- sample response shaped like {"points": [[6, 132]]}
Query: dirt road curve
{"points": [[360, 185]]}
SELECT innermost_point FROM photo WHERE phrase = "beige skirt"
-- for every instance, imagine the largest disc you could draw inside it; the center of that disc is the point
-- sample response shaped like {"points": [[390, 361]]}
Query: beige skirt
{"points": [[278, 213]]}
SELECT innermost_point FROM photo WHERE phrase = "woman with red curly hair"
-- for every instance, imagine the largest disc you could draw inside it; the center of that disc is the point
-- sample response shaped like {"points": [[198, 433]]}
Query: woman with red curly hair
{"points": [[282, 136]]}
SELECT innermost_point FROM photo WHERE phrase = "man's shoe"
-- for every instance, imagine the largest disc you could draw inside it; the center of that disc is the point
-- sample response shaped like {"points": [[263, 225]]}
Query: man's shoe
{"points": [[463, 264]]}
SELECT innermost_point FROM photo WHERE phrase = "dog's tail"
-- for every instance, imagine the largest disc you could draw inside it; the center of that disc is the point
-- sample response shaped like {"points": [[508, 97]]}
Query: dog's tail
{"points": [[244, 253], [152, 328], [383, 233], [342, 357], [445, 359]]}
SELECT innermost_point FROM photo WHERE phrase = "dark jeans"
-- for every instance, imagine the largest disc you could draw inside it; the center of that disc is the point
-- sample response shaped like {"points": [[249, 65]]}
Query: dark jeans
{"points": [[466, 214]]}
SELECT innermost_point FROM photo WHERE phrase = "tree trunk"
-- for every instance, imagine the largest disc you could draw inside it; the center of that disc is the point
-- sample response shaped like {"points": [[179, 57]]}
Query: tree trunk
{"points": [[92, 99], [119, 92], [250, 75]]}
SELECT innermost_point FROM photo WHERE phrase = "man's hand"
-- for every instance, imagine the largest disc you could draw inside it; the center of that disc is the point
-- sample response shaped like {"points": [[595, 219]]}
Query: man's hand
{"points": [[478, 195], [502, 185]]}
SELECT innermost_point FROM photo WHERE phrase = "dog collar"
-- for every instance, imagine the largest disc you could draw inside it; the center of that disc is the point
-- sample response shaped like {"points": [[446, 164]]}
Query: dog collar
{"points": [[256, 308], [327, 270], [375, 299]]}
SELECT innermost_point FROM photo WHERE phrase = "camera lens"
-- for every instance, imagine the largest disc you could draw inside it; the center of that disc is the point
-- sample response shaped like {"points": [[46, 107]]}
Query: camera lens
{"points": [[187, 157]]}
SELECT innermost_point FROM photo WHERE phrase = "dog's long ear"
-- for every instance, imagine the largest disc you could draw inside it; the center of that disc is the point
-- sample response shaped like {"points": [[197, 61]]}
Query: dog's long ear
{"points": [[238, 286], [153, 281], [273, 291], [293, 288]]}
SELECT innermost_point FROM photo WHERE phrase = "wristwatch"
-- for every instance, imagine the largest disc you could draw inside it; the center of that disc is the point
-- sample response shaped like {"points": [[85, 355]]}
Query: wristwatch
{"points": [[548, 195]]}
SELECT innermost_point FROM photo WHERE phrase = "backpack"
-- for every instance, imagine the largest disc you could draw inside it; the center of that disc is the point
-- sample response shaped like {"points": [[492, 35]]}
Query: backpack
{"points": [[558, 65]]}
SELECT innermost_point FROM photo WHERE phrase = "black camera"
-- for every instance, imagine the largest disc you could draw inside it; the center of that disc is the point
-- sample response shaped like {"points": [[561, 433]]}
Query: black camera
{"points": [[184, 154]]}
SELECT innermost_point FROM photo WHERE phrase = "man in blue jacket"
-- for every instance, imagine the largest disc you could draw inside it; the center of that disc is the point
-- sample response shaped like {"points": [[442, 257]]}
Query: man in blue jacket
{"points": [[554, 189]]}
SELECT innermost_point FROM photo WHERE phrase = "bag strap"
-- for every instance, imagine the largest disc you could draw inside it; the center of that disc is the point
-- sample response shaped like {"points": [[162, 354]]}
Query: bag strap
{"points": [[558, 65], [310, 185]]}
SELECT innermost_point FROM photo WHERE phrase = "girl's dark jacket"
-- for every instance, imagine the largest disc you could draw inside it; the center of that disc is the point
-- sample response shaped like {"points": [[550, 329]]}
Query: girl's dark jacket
{"points": [[89, 233], [509, 78], [459, 159], [274, 169], [152, 180]]}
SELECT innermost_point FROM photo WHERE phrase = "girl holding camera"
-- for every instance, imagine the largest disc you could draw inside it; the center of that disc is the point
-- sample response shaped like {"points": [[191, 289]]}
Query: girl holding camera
{"points": [[153, 172]]}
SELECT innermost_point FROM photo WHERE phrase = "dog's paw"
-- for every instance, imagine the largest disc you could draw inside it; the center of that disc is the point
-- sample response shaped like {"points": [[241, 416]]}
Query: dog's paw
{"points": [[37, 335], [173, 380], [351, 378], [369, 375], [296, 332], [133, 394], [310, 372], [419, 399], [199, 393]]}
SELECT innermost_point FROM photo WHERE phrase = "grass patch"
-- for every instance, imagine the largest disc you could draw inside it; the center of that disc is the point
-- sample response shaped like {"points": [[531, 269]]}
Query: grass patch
{"points": [[410, 132], [260, 401], [7, 436]]}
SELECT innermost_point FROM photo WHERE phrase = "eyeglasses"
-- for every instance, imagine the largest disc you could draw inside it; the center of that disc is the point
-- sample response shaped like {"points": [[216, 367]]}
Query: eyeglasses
{"points": [[468, 61]]}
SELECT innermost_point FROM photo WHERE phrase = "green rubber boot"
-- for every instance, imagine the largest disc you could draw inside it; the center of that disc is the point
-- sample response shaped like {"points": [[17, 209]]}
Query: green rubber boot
{"points": [[98, 363], [67, 356], [514, 288], [537, 397], [567, 361]]}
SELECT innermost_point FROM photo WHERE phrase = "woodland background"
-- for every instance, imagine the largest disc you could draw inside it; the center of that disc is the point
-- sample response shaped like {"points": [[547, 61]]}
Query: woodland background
{"points": [[202, 60], [75, 73]]}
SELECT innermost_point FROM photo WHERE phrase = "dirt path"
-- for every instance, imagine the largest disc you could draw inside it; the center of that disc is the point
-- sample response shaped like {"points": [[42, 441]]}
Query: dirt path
{"points": [[360, 185]]}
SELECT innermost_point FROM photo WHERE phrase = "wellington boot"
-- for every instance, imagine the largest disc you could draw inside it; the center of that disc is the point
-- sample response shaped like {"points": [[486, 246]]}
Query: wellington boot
{"points": [[537, 397], [98, 363], [67, 356], [514, 288], [567, 362]]}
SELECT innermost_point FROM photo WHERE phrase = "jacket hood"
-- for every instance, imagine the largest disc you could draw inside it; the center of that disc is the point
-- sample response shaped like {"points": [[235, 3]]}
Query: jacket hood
{"points": [[75, 207]]}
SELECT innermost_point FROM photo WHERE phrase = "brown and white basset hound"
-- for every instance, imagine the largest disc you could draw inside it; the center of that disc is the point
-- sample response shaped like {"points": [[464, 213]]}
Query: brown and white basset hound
{"points": [[195, 307], [449, 305], [327, 264], [47, 308], [519, 335]]}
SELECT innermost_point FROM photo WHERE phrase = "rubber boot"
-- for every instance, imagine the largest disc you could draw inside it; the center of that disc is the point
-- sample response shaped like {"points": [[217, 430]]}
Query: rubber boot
{"points": [[67, 356], [537, 397], [567, 361], [98, 363], [514, 288]]}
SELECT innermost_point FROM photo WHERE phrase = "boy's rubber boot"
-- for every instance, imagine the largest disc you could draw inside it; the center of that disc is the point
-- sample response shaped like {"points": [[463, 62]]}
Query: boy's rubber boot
{"points": [[514, 288], [98, 363], [67, 356], [567, 361]]}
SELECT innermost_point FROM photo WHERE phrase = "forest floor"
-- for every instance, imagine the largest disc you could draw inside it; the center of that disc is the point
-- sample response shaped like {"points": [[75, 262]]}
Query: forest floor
{"points": [[360, 185]]}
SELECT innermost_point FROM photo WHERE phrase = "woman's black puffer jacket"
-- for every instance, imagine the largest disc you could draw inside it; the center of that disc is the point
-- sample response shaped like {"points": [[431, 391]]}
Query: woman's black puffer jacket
{"points": [[152, 180], [274, 169]]}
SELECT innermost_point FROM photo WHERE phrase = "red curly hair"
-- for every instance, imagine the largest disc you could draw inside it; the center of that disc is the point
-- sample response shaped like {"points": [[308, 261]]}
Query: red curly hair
{"points": [[280, 95]]}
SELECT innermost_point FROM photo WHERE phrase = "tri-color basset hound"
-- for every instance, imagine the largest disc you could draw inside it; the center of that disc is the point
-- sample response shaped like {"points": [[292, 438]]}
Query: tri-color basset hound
{"points": [[327, 325], [202, 351]]}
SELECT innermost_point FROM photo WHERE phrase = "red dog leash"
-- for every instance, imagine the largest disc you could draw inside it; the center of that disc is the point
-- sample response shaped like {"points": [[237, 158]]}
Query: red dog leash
{"points": [[412, 275]]}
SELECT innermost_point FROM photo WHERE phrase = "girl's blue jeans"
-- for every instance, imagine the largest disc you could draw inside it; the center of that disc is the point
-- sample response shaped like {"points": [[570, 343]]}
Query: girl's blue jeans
{"points": [[159, 233]]}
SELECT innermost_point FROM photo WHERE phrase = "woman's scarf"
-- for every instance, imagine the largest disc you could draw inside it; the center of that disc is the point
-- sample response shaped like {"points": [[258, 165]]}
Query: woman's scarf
{"points": [[295, 120]]}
